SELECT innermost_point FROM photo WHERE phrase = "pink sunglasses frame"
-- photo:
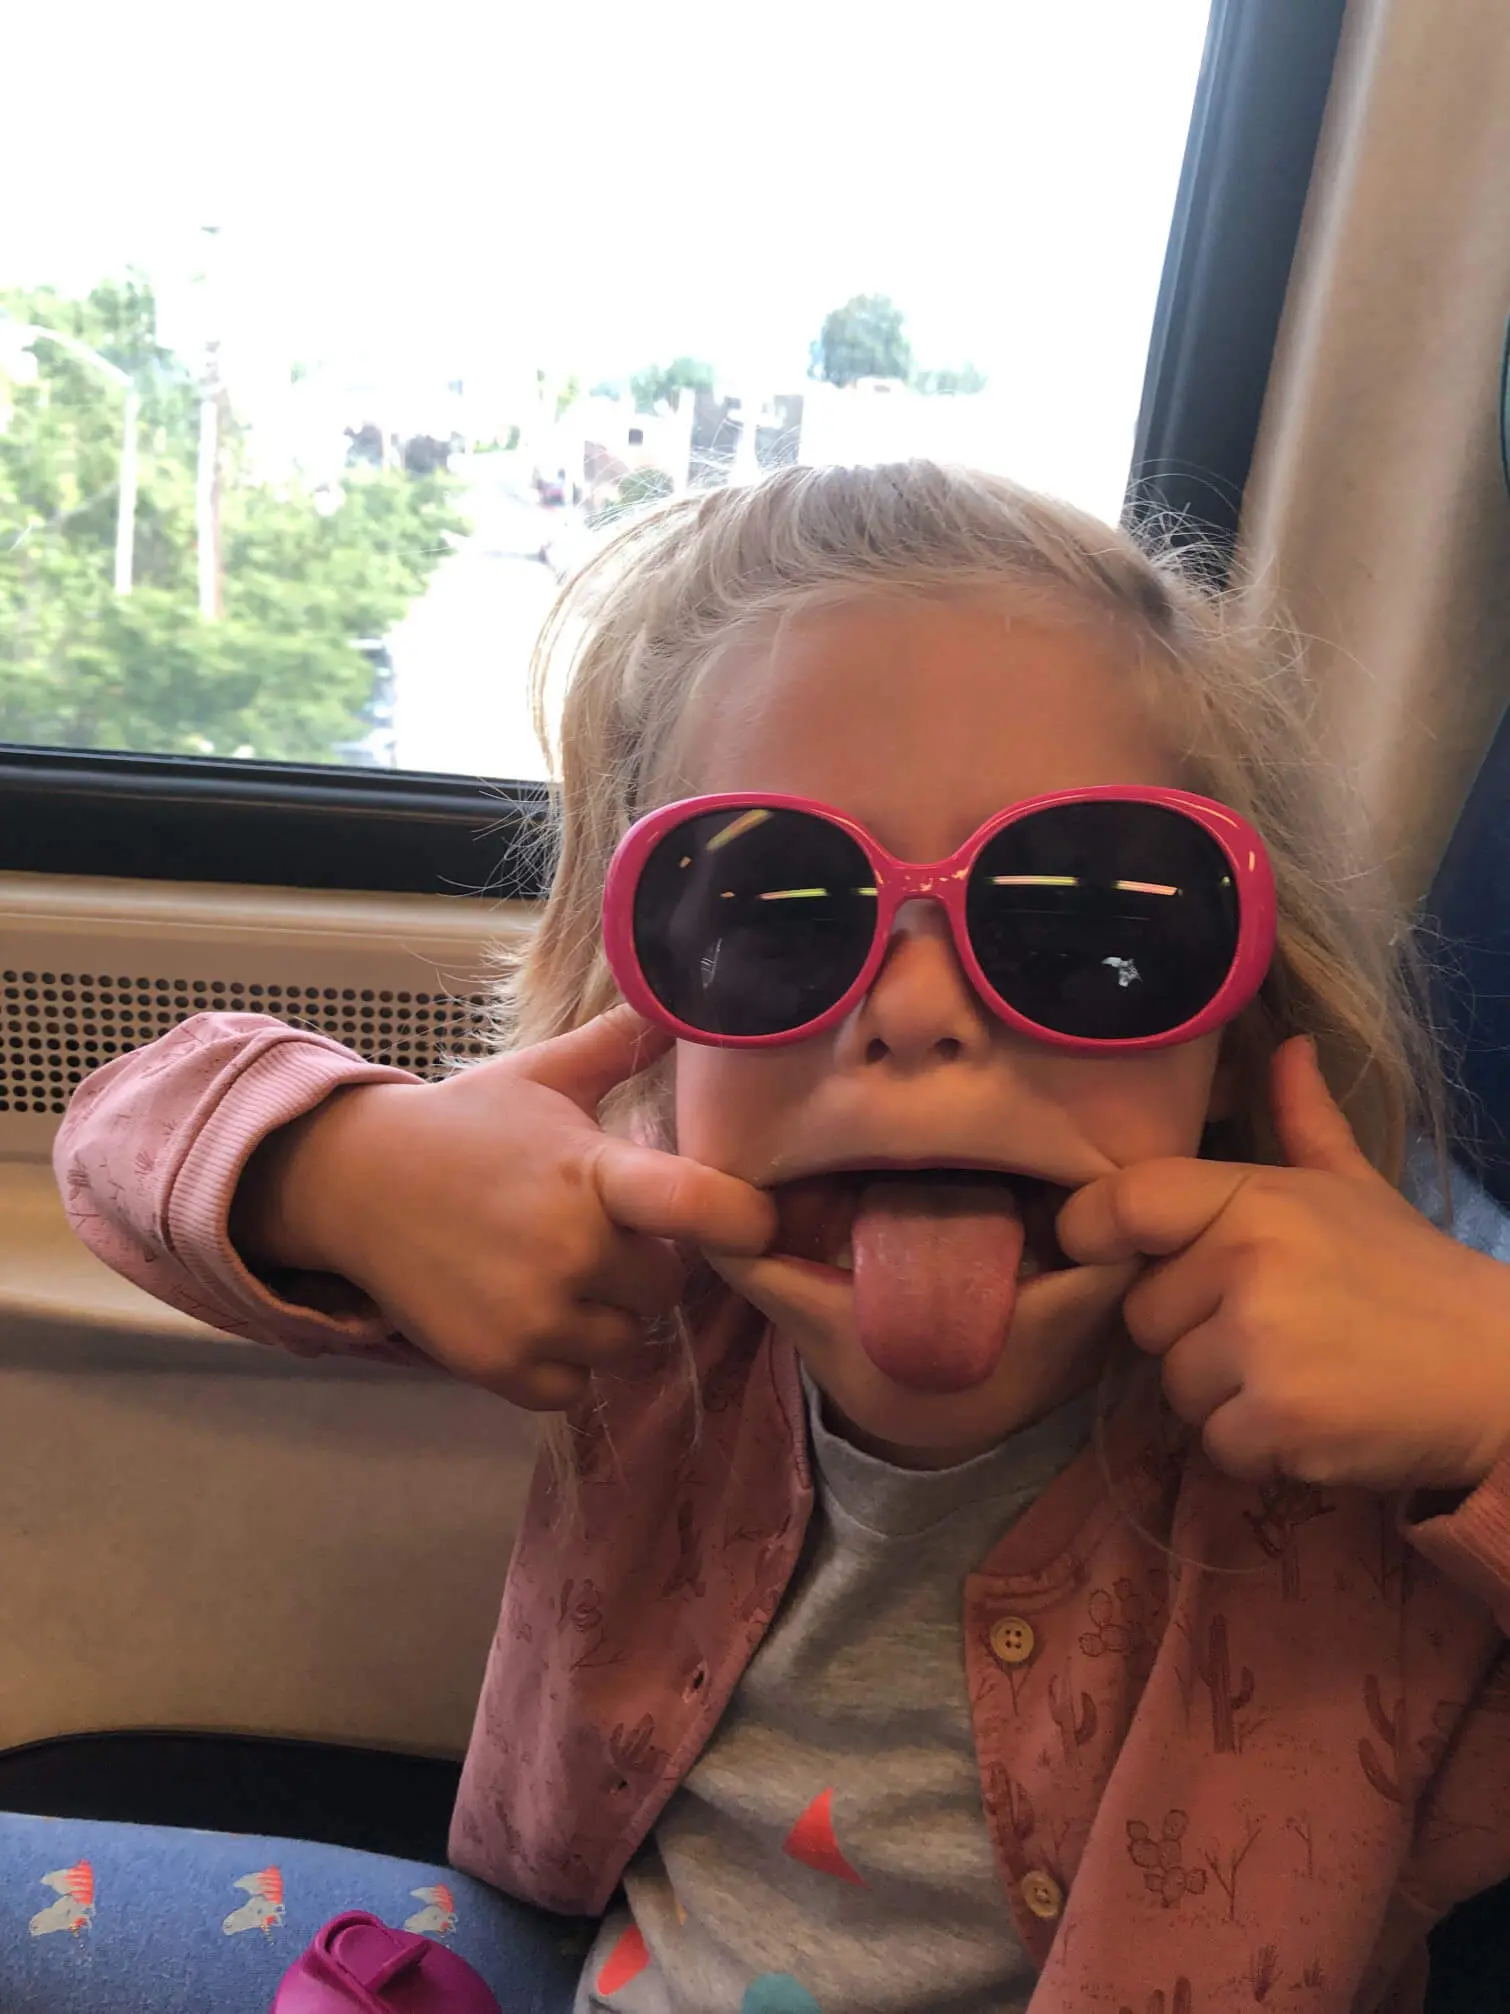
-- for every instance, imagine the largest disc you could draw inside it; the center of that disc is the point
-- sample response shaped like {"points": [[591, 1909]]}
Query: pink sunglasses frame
{"points": [[945, 882]]}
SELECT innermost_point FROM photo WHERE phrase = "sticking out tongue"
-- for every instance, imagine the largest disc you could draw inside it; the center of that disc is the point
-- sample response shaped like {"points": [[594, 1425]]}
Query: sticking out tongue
{"points": [[936, 1278]]}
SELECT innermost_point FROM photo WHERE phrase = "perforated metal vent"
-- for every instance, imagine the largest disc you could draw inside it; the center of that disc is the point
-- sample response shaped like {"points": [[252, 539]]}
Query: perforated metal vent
{"points": [[55, 1027]]}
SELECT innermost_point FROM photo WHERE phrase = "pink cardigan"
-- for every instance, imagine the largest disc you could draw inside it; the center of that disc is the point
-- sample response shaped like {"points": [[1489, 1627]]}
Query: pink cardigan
{"points": [[1258, 1783]]}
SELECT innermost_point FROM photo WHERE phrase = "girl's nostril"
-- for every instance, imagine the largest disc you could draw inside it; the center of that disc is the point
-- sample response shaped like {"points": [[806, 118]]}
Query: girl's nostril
{"points": [[950, 1048], [875, 1050]]}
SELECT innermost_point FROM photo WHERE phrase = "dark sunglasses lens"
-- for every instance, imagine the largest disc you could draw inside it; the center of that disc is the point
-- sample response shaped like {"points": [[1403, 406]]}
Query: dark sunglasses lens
{"points": [[1106, 920], [753, 922]]}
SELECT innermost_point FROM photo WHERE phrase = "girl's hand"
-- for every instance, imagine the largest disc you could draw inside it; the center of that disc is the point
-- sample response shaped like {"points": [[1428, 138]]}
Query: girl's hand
{"points": [[1310, 1321], [491, 1219]]}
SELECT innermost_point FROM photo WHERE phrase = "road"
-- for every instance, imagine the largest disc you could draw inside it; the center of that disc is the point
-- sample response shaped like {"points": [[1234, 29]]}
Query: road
{"points": [[461, 655]]}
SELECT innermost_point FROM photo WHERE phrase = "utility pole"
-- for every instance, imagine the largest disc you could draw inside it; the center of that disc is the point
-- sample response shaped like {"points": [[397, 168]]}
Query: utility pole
{"points": [[125, 509]]}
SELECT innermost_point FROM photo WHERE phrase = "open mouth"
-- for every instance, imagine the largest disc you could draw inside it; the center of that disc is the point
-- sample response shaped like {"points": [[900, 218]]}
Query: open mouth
{"points": [[816, 1213]]}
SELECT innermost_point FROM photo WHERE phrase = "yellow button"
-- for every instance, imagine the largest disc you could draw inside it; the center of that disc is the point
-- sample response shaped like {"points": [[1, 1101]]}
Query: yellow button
{"points": [[1042, 1894], [1012, 1640]]}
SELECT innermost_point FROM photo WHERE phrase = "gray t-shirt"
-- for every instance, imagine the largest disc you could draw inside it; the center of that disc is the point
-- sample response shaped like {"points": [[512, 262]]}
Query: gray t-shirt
{"points": [[827, 1853]]}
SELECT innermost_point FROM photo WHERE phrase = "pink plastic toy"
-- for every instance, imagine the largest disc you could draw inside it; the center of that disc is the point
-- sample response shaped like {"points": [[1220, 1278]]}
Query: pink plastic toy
{"points": [[357, 1962]]}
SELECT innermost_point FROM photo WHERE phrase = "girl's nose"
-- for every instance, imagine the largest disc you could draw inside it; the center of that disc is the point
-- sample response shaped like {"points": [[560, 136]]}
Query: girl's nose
{"points": [[921, 1008]]}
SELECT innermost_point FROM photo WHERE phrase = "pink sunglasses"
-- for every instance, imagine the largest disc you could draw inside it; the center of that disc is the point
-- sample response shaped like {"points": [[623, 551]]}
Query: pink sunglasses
{"points": [[1101, 921]]}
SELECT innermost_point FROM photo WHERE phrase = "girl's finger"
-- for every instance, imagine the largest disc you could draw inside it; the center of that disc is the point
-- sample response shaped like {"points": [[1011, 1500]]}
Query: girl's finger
{"points": [[668, 1196], [545, 1388], [1234, 1439], [556, 1368], [1152, 1208], [641, 1275], [1202, 1373], [1175, 1295], [596, 1336]]}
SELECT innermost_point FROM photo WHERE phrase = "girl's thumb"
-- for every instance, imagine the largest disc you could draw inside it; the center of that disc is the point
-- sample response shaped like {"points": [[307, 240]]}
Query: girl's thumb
{"points": [[1312, 1128], [592, 1060]]}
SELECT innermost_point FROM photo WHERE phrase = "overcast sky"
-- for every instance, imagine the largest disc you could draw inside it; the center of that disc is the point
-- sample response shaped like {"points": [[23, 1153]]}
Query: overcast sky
{"points": [[587, 187]]}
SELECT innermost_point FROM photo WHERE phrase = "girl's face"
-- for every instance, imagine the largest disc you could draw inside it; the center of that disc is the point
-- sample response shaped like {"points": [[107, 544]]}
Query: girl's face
{"points": [[921, 720]]}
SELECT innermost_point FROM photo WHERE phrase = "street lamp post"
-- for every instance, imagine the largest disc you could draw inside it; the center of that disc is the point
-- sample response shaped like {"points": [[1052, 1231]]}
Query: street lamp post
{"points": [[125, 512]]}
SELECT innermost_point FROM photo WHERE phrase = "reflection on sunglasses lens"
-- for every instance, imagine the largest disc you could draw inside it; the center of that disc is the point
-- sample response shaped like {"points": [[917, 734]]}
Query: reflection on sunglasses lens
{"points": [[753, 922], [1105, 920]]}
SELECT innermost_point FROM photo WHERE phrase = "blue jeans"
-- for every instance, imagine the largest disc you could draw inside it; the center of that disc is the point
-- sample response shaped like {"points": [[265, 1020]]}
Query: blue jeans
{"points": [[98, 1918]]}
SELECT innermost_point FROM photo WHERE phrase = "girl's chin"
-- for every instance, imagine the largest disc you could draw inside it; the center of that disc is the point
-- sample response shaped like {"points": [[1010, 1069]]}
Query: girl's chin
{"points": [[1062, 1327]]}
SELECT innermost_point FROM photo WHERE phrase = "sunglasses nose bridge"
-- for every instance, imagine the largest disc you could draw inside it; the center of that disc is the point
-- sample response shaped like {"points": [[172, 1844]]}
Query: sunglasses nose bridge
{"points": [[920, 880], [934, 885], [936, 890]]}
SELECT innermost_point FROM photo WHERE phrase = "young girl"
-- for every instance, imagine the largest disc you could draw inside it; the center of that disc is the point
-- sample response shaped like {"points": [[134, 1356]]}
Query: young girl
{"points": [[878, 1638]]}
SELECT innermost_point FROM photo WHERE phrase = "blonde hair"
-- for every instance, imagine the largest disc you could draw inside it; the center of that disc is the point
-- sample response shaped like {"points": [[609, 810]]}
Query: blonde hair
{"points": [[638, 629]]}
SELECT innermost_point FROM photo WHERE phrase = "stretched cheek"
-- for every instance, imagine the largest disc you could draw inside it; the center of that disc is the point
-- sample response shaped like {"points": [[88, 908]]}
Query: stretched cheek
{"points": [[1146, 1108], [722, 1108]]}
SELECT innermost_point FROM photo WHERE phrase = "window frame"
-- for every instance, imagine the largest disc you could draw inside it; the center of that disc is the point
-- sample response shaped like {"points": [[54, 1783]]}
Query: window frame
{"points": [[1257, 112]]}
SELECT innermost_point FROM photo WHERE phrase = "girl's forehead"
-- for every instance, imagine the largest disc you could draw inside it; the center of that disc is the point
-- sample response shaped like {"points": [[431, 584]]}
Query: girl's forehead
{"points": [[923, 718]]}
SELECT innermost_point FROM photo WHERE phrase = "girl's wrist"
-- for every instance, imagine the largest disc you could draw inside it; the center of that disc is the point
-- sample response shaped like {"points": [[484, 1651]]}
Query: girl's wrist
{"points": [[298, 1188]]}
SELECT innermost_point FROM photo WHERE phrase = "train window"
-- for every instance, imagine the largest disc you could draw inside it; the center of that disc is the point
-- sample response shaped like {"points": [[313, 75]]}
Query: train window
{"points": [[313, 388], [316, 381]]}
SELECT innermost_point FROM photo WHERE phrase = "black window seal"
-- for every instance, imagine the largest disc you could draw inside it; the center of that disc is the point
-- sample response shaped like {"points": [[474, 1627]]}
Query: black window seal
{"points": [[1258, 105], [284, 825]]}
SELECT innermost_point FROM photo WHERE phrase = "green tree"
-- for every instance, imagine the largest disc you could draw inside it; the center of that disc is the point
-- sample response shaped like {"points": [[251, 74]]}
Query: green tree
{"points": [[567, 392], [643, 486], [306, 573], [635, 491], [957, 383], [659, 383], [863, 339]]}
